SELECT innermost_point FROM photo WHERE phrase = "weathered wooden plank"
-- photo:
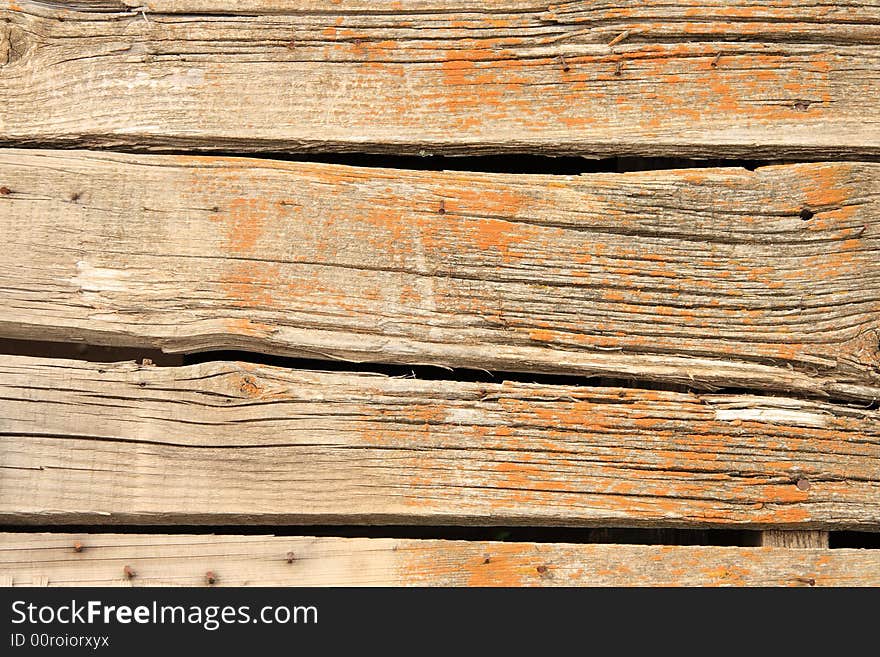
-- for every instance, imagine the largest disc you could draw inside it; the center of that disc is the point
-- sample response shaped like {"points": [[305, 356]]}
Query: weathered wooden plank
{"points": [[794, 539], [688, 77], [717, 277], [221, 443], [181, 560]]}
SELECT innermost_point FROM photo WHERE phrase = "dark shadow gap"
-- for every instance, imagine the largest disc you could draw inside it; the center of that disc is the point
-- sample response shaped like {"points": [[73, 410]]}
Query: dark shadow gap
{"points": [[507, 163], [576, 535], [522, 163], [864, 540], [427, 372], [87, 352], [717, 537]]}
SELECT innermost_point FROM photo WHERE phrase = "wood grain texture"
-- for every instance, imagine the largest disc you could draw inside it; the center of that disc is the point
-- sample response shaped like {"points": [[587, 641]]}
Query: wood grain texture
{"points": [[701, 277], [688, 77], [181, 560], [794, 539], [220, 443]]}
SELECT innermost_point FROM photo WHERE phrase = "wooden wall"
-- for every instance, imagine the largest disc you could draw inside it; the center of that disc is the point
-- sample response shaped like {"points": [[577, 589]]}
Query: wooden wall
{"points": [[355, 329]]}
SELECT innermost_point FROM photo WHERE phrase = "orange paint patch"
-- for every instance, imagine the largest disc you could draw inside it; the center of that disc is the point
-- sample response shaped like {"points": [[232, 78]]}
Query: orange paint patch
{"points": [[478, 86], [253, 285], [506, 567], [244, 219], [244, 326], [542, 335], [727, 575], [826, 185], [498, 235], [479, 564]]}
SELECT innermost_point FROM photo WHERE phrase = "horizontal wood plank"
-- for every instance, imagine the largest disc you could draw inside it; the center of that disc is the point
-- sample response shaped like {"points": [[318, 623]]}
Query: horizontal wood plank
{"points": [[707, 277], [184, 560], [221, 443], [689, 77]]}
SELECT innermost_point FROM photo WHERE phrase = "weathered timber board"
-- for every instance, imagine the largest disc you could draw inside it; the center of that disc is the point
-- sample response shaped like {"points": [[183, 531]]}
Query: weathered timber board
{"points": [[700, 78], [705, 277], [223, 443], [181, 560]]}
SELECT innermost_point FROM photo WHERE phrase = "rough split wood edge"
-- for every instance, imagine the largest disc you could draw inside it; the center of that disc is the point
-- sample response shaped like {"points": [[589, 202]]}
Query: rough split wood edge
{"points": [[763, 280], [233, 443], [692, 77], [180, 560]]}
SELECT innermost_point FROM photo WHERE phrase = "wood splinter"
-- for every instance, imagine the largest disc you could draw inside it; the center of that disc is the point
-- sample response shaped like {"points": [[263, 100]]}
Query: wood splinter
{"points": [[620, 37]]}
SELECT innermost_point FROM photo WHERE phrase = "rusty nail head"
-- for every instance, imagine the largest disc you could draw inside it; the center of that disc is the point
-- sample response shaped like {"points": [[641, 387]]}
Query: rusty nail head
{"points": [[5, 191], [487, 558], [803, 484], [542, 569], [291, 557], [129, 573], [210, 577], [77, 547]]}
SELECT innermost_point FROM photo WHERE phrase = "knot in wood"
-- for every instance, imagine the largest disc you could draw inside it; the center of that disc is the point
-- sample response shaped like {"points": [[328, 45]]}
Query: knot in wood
{"points": [[249, 387], [866, 351], [14, 44]]}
